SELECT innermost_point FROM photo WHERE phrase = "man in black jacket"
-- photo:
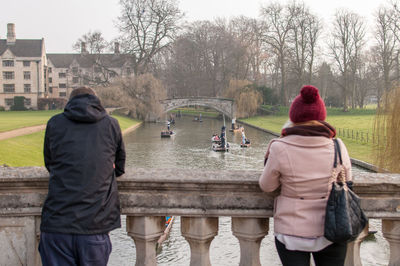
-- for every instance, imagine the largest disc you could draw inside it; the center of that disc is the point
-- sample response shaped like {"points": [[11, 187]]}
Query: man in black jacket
{"points": [[83, 152]]}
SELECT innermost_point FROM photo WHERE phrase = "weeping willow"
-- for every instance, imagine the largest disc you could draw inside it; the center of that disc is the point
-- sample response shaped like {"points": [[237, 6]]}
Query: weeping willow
{"points": [[386, 137]]}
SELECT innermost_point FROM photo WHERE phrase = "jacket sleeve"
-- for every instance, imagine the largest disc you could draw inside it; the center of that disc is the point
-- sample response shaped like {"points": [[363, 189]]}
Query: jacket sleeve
{"points": [[120, 154], [346, 160], [46, 148], [269, 180]]}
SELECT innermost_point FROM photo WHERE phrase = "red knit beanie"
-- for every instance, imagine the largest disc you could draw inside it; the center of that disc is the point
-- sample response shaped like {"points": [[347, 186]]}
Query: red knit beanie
{"points": [[308, 105]]}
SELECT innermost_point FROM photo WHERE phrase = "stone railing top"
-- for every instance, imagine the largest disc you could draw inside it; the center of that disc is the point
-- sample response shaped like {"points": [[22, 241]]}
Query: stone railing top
{"points": [[190, 192]]}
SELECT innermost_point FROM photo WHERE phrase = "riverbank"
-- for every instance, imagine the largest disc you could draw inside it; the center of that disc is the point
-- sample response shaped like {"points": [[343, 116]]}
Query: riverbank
{"points": [[26, 148], [354, 161]]}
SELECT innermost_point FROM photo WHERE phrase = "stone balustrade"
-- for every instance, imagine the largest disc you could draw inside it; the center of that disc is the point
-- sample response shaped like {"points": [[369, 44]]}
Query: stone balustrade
{"points": [[199, 197]]}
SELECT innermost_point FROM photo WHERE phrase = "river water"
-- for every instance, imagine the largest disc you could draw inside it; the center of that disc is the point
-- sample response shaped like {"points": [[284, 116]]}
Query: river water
{"points": [[190, 148]]}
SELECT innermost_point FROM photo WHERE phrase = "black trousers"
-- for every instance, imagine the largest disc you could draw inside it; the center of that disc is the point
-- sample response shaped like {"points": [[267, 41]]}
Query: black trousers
{"points": [[74, 250], [332, 255]]}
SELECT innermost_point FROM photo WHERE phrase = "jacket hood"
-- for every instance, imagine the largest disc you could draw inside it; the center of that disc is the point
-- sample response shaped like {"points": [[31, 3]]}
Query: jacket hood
{"points": [[84, 108]]}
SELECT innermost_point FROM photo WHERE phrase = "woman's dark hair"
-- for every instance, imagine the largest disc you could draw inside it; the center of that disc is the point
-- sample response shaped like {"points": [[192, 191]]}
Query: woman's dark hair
{"points": [[81, 90]]}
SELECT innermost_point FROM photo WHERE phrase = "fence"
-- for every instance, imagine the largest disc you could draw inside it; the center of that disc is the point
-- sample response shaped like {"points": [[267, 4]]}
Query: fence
{"points": [[359, 136]]}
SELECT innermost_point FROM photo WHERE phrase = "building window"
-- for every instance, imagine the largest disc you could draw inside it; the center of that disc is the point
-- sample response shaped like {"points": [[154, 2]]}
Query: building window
{"points": [[50, 80], [27, 75], [62, 75], [49, 70], [27, 101], [62, 85], [86, 80], [27, 63], [27, 87], [8, 63], [62, 94], [75, 79], [75, 70], [8, 75], [9, 88], [9, 101]]}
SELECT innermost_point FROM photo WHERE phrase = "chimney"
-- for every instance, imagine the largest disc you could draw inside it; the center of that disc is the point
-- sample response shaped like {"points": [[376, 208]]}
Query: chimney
{"points": [[116, 48], [83, 48], [10, 33]]}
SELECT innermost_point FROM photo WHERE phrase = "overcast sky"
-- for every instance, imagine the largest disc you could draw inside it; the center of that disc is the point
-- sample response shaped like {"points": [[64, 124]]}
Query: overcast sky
{"points": [[62, 22]]}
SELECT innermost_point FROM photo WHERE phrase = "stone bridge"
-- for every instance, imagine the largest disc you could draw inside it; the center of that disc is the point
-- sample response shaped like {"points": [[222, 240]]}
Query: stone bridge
{"points": [[222, 105], [199, 197]]}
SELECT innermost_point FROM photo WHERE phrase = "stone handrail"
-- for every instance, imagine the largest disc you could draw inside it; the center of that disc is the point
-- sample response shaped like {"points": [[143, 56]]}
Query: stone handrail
{"points": [[198, 196]]}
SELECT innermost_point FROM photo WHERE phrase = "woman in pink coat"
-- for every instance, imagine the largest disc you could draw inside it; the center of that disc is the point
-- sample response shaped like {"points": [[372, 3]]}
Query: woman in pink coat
{"points": [[300, 163]]}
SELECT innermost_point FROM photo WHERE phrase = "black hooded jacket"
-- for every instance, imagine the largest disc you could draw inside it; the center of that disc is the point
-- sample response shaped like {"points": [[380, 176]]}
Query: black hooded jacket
{"points": [[80, 148]]}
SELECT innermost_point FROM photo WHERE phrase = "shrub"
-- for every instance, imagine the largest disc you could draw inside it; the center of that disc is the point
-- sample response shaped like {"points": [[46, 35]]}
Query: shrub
{"points": [[2, 108], [19, 104], [51, 103]]}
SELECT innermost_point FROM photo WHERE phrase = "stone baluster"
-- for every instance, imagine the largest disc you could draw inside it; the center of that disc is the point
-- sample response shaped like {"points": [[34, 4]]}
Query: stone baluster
{"points": [[145, 231], [37, 259], [353, 249], [391, 231], [250, 232], [199, 232]]}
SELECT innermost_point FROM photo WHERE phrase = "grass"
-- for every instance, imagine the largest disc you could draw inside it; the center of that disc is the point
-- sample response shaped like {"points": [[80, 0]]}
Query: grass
{"points": [[125, 122], [358, 119], [27, 150], [23, 150], [18, 119]]}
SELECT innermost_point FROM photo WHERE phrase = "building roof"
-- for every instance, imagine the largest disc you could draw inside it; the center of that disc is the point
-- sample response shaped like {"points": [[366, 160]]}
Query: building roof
{"points": [[88, 60], [23, 48]]}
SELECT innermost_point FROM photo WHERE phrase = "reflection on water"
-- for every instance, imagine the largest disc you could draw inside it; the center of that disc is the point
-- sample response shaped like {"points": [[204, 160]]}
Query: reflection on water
{"points": [[191, 148]]}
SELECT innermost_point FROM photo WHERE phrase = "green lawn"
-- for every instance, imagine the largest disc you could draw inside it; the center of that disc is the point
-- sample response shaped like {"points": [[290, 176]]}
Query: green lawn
{"points": [[27, 150], [10, 120], [360, 120], [125, 122]]}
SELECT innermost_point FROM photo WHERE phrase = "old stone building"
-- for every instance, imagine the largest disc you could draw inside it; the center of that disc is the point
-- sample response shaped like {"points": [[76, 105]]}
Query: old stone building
{"points": [[26, 70], [69, 71], [22, 69]]}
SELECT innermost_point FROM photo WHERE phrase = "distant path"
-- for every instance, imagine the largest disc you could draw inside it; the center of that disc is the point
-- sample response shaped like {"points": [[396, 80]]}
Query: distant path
{"points": [[21, 131]]}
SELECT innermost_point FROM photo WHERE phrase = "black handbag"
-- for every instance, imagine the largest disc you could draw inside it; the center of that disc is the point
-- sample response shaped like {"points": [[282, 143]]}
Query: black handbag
{"points": [[344, 218]]}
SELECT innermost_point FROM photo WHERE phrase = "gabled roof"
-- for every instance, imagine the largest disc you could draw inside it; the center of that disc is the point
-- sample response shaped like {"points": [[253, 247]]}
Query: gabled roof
{"points": [[89, 60], [23, 48]]}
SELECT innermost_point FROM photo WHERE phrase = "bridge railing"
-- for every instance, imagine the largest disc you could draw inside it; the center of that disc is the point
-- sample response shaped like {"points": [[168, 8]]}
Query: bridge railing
{"points": [[199, 197]]}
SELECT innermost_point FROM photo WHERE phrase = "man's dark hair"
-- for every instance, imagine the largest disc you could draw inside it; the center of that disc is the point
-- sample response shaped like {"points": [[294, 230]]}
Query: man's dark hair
{"points": [[81, 90]]}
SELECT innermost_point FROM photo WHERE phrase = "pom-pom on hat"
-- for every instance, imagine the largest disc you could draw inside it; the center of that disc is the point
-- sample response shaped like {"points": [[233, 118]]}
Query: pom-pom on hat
{"points": [[308, 105]]}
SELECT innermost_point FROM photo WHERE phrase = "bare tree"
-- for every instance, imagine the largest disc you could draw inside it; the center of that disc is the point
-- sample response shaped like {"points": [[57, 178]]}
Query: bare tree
{"points": [[347, 40], [147, 27], [248, 32], [141, 95], [386, 44], [94, 43], [204, 58], [96, 71], [277, 24], [306, 29]]}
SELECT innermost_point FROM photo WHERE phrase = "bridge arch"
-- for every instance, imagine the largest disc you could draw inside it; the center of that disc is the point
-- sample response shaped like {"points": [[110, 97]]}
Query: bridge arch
{"points": [[222, 105]]}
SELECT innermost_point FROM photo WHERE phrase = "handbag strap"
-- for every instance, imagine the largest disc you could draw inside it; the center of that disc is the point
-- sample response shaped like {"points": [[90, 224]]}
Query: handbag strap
{"points": [[335, 162], [337, 151]]}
